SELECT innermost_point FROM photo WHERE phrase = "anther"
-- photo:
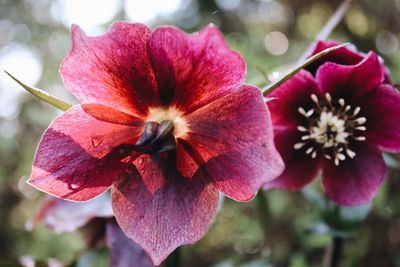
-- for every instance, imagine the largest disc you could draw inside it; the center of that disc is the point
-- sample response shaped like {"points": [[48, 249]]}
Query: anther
{"points": [[314, 98], [328, 97], [361, 120]]}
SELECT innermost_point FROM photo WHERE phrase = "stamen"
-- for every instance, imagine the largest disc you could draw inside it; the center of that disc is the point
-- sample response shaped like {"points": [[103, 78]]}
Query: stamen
{"points": [[314, 98], [360, 138], [351, 153], [309, 113], [302, 111], [314, 154], [298, 146], [328, 97], [336, 161], [356, 111], [330, 130], [341, 156], [361, 120], [302, 129]]}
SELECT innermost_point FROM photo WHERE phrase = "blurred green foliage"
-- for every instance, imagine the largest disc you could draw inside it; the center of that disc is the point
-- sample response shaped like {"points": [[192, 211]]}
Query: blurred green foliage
{"points": [[281, 229]]}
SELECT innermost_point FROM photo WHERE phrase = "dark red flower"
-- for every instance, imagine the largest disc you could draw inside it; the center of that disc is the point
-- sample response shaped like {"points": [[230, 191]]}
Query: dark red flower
{"points": [[347, 55], [95, 219], [166, 120], [337, 122]]}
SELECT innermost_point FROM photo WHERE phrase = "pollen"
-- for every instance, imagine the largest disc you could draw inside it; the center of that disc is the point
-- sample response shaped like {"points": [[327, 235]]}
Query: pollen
{"points": [[331, 128], [170, 114]]}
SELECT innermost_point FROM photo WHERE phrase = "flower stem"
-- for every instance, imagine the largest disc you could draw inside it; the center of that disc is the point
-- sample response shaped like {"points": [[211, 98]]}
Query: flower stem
{"points": [[264, 212], [334, 252], [174, 260]]}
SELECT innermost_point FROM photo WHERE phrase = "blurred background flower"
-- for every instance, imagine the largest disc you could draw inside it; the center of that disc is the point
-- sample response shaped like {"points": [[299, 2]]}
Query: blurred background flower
{"points": [[34, 37]]}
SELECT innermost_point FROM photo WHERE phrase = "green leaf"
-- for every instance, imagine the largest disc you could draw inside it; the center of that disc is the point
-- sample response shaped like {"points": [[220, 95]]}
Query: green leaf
{"points": [[52, 100], [269, 88]]}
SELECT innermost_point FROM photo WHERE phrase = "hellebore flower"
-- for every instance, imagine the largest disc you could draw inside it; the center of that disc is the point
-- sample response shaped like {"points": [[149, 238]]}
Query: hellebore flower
{"points": [[164, 119], [337, 122], [95, 219]]}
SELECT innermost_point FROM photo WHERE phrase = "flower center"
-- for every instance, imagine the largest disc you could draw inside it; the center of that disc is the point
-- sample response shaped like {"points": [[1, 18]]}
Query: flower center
{"points": [[329, 129], [156, 137], [171, 114]]}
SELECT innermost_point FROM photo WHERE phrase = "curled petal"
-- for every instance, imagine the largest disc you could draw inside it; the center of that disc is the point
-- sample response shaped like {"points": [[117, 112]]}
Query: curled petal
{"points": [[300, 169], [73, 160], [351, 81], [355, 181], [193, 70], [178, 213], [123, 251], [112, 69], [343, 56]]}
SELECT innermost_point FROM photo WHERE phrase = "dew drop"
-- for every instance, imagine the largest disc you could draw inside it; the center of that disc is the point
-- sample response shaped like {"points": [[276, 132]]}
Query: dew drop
{"points": [[96, 141], [77, 182]]}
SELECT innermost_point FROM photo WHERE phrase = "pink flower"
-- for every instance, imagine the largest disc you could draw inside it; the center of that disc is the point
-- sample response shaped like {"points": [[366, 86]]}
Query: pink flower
{"points": [[95, 219], [166, 121], [336, 123]]}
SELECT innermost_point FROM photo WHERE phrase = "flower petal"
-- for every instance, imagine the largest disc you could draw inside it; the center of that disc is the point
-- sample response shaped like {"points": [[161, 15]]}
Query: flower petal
{"points": [[381, 107], [150, 171], [112, 69], [178, 213], [73, 160], [351, 81], [355, 181], [287, 98], [343, 56], [123, 251], [65, 216], [300, 169], [347, 55], [111, 115], [233, 136], [193, 70]]}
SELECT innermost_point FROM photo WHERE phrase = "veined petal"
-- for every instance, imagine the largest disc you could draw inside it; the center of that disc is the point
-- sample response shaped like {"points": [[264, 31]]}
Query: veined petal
{"points": [[73, 160], [233, 136], [178, 213], [112, 69], [193, 70], [355, 181], [351, 81]]}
